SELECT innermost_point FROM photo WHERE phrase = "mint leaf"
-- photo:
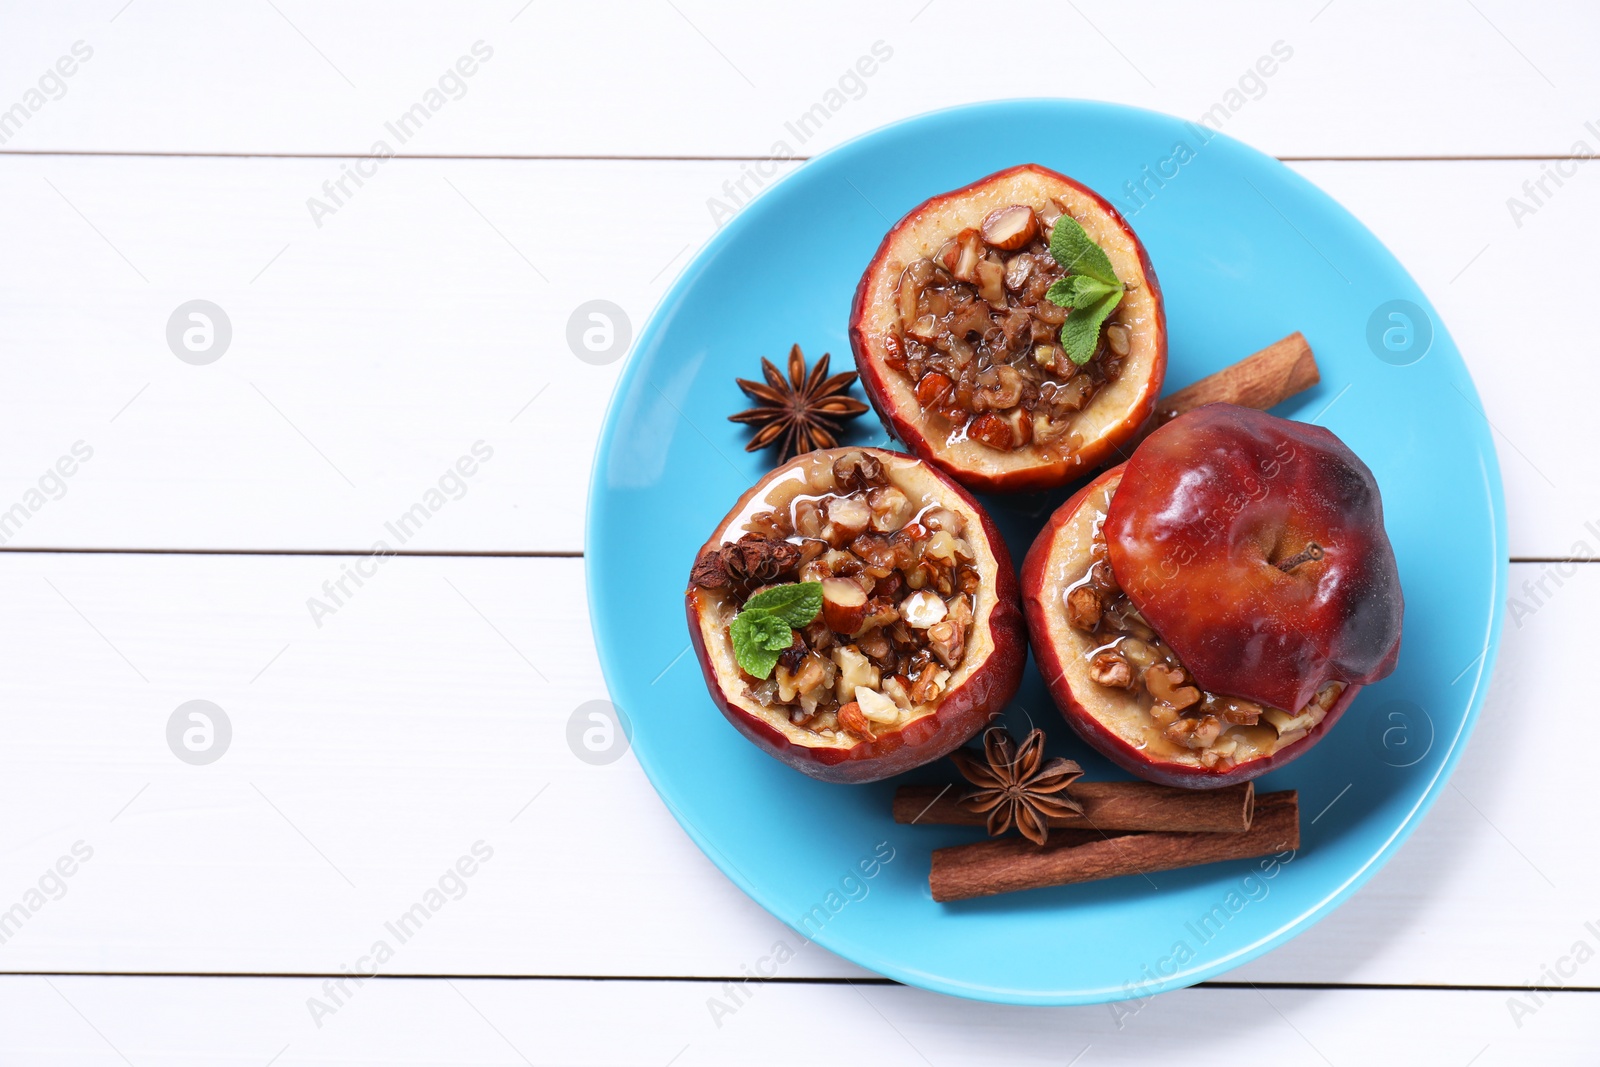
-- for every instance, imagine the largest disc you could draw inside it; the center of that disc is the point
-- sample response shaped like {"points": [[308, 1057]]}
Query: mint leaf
{"points": [[1092, 290], [758, 662], [1080, 334], [1073, 249], [759, 638], [770, 631], [796, 604], [766, 625], [1078, 291]]}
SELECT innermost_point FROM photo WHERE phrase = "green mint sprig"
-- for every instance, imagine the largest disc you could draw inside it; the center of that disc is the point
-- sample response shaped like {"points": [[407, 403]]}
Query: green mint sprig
{"points": [[764, 627], [1091, 289]]}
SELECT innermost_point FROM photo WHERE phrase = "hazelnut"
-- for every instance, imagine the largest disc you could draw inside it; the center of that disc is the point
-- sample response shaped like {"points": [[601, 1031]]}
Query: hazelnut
{"points": [[922, 609], [992, 430], [848, 517], [1009, 228], [932, 389], [851, 719], [877, 707], [844, 605]]}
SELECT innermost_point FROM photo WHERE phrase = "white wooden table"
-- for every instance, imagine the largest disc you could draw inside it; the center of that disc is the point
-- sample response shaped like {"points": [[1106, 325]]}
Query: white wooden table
{"points": [[380, 334]]}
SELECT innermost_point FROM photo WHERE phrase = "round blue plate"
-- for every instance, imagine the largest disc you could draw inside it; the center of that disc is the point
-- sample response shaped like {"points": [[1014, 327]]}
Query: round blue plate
{"points": [[1247, 252]]}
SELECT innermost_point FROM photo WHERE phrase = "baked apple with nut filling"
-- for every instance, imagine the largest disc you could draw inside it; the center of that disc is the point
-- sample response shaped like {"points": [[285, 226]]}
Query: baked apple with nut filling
{"points": [[1205, 612], [1011, 333], [856, 615]]}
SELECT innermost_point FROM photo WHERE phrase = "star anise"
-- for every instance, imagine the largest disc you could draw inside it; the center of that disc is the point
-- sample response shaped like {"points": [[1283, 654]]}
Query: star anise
{"points": [[752, 558], [1016, 785], [801, 412]]}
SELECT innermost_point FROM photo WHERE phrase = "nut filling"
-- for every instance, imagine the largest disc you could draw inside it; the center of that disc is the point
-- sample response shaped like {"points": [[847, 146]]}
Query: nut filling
{"points": [[899, 589], [1222, 731], [980, 343]]}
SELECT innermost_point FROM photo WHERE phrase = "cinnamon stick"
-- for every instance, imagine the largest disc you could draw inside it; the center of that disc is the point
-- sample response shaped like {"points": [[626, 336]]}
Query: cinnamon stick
{"points": [[1106, 806], [1008, 864], [1263, 380]]}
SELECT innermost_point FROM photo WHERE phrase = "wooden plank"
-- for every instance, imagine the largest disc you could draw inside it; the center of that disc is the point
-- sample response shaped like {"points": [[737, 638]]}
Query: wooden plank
{"points": [[461, 1021], [368, 356], [711, 77], [431, 712]]}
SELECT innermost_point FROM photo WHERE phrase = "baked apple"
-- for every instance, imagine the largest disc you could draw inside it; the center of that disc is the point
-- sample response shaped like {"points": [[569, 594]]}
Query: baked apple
{"points": [[856, 615], [1206, 611], [1011, 333]]}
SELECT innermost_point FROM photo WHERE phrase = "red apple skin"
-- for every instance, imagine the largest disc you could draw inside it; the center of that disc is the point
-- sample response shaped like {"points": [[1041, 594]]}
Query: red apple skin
{"points": [[1076, 708], [962, 712], [1196, 554], [904, 419]]}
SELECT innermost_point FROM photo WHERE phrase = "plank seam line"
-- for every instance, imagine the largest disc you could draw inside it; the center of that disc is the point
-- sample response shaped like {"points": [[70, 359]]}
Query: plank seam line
{"points": [[1422, 987]]}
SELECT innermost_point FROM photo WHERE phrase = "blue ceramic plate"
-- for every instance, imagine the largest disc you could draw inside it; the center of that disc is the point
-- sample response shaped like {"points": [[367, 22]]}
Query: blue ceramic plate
{"points": [[1247, 251]]}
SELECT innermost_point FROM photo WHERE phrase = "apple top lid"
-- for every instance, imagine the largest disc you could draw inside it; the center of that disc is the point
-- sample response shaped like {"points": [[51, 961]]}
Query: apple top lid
{"points": [[1255, 547]]}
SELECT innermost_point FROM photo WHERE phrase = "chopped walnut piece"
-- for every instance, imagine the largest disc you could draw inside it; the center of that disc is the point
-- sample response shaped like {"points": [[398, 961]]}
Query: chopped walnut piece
{"points": [[1241, 712], [1109, 668], [889, 586], [1194, 733], [1138, 653], [1101, 578], [877, 555], [792, 657], [880, 612], [875, 644], [921, 574], [947, 639], [769, 524], [813, 673], [855, 671], [896, 689], [1083, 607], [857, 472], [808, 518], [817, 635], [928, 686], [1167, 687], [902, 636], [891, 509], [967, 580]]}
